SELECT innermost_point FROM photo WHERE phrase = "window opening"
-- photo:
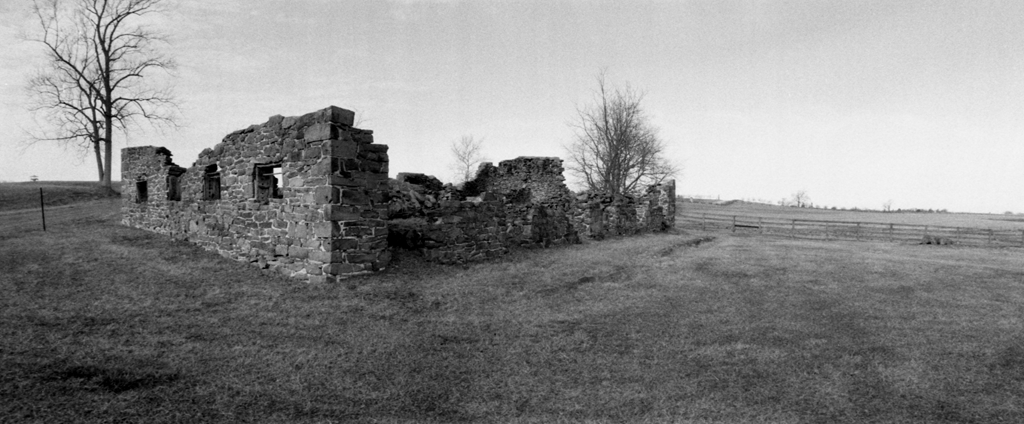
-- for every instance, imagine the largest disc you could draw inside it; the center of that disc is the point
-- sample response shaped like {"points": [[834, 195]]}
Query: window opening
{"points": [[211, 183], [268, 182], [173, 187], [141, 191]]}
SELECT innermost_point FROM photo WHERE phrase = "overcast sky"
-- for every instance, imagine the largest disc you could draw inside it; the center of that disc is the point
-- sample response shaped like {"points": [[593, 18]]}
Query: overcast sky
{"points": [[856, 102]]}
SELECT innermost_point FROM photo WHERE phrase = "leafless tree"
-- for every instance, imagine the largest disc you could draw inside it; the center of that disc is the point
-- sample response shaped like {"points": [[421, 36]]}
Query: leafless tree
{"points": [[616, 149], [467, 156], [102, 65], [801, 199], [887, 206]]}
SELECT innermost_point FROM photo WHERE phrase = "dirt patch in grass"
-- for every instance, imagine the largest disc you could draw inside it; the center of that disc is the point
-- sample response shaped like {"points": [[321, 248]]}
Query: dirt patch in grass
{"points": [[685, 244], [112, 379]]}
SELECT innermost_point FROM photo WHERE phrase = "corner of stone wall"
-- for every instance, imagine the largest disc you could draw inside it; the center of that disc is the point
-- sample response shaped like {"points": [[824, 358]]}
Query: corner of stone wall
{"points": [[354, 198]]}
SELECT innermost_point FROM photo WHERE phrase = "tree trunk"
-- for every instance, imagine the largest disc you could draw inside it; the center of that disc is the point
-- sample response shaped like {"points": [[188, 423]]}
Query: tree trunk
{"points": [[107, 149], [99, 160]]}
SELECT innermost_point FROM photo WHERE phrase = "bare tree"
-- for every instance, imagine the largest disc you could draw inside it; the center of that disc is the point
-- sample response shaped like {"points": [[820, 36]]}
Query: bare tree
{"points": [[887, 206], [466, 152], [801, 199], [616, 148], [99, 75]]}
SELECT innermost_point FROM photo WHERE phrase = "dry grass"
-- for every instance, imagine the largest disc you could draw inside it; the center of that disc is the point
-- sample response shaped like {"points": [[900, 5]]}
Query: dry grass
{"points": [[102, 323]]}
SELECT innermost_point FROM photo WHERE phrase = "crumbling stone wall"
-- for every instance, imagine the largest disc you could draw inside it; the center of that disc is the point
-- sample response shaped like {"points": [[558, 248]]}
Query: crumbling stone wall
{"points": [[599, 215], [656, 209], [309, 196], [444, 224], [537, 201], [304, 195]]}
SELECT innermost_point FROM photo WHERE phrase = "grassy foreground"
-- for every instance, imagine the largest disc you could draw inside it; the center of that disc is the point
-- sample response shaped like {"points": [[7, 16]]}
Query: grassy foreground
{"points": [[102, 323]]}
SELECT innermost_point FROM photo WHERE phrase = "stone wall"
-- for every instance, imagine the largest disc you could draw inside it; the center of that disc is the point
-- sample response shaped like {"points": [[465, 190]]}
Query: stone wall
{"points": [[309, 196], [537, 201], [304, 195], [599, 215], [656, 209]]}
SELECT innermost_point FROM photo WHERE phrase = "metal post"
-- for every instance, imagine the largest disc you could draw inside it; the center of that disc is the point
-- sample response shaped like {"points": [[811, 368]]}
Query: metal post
{"points": [[704, 222], [792, 230], [989, 236], [856, 235], [760, 225], [890, 233], [42, 207], [734, 223]]}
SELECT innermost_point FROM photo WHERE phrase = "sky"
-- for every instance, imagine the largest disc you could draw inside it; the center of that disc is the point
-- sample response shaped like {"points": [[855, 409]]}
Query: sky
{"points": [[857, 103]]}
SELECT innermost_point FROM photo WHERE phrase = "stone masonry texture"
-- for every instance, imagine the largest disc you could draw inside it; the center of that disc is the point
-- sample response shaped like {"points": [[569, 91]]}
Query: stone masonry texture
{"points": [[326, 221], [310, 197]]}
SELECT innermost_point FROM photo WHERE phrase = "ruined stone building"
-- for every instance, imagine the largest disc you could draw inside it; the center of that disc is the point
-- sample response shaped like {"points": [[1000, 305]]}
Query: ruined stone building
{"points": [[310, 196]]}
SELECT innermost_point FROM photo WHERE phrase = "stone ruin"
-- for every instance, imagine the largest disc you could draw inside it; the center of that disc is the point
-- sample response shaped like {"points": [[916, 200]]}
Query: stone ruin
{"points": [[310, 196]]}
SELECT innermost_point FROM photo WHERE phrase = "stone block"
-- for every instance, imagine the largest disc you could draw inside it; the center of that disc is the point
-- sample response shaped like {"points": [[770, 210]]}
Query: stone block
{"points": [[342, 268], [357, 231], [342, 213], [320, 131], [343, 181], [336, 115], [281, 250], [343, 244], [325, 195], [326, 257], [324, 229], [354, 197], [360, 257], [341, 148], [311, 153]]}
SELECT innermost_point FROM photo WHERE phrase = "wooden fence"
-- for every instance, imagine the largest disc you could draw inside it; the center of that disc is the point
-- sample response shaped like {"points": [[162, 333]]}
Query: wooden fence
{"points": [[850, 230]]}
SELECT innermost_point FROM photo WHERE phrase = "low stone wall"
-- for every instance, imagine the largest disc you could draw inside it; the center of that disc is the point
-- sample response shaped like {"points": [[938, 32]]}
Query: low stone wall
{"points": [[522, 202], [599, 215]]}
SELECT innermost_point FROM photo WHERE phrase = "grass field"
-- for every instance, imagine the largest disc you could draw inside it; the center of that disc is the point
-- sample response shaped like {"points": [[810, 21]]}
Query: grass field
{"points": [[17, 196], [102, 323]]}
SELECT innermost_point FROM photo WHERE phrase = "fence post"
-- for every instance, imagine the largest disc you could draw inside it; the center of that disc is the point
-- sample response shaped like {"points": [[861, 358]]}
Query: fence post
{"points": [[734, 223], [42, 207], [704, 222], [1021, 238], [792, 230], [890, 233], [989, 236], [856, 233], [826, 231], [956, 236]]}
